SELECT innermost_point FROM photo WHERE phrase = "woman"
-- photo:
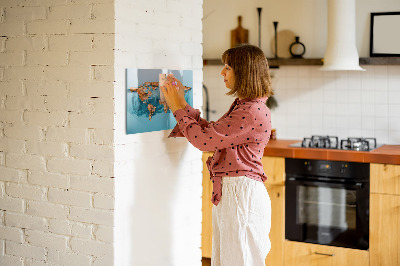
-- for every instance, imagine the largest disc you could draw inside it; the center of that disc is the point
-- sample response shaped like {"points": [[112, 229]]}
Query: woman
{"points": [[242, 208]]}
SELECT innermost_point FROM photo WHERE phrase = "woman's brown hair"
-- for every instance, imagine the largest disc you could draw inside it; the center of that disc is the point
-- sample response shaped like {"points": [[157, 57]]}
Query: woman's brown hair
{"points": [[250, 66]]}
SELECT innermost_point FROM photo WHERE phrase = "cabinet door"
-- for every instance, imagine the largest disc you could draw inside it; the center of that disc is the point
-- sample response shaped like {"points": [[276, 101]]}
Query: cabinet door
{"points": [[384, 229], [274, 168], [385, 178], [206, 226], [277, 233], [304, 254]]}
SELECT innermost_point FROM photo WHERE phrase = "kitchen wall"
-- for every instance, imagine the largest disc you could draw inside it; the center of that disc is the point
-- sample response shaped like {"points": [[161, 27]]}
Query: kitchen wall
{"points": [[342, 103], [56, 132], [304, 18], [158, 180]]}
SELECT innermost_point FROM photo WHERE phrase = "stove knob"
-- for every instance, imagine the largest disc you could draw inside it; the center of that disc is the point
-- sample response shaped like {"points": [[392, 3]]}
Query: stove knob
{"points": [[343, 168], [308, 166]]}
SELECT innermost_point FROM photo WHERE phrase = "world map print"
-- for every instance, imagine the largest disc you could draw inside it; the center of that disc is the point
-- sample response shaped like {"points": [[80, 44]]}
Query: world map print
{"points": [[146, 108]]}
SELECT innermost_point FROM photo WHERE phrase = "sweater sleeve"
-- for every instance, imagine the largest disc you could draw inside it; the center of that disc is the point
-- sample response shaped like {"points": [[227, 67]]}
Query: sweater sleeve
{"points": [[193, 113], [229, 131]]}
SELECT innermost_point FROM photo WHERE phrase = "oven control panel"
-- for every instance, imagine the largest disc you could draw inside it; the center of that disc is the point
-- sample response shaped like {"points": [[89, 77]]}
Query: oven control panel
{"points": [[338, 169]]}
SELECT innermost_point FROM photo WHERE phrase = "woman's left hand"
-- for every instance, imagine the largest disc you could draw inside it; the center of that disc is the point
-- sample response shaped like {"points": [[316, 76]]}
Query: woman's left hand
{"points": [[171, 95]]}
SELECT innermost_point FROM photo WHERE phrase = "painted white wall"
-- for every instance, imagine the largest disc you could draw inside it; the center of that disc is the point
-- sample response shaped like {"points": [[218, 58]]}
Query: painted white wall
{"points": [[158, 180], [56, 132], [344, 103], [305, 18]]}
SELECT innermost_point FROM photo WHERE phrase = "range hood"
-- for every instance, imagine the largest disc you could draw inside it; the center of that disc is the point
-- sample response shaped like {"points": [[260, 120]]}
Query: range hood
{"points": [[341, 51]]}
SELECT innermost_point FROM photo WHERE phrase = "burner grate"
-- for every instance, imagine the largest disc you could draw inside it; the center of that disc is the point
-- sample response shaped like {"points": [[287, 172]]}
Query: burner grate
{"points": [[358, 144], [327, 142], [332, 142]]}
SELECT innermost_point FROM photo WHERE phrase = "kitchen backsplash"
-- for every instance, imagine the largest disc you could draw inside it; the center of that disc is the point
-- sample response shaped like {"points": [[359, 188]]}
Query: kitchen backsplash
{"points": [[314, 102]]}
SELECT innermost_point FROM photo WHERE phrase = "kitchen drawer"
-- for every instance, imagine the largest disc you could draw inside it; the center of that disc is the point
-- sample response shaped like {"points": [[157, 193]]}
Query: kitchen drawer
{"points": [[305, 254], [385, 178], [274, 168]]}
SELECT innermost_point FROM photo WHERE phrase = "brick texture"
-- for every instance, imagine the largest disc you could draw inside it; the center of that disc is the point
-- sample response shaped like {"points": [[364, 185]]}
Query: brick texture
{"points": [[24, 221], [56, 123], [62, 121]]}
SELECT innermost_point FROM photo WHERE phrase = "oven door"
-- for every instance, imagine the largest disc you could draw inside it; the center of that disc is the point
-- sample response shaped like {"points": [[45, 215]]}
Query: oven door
{"points": [[327, 213]]}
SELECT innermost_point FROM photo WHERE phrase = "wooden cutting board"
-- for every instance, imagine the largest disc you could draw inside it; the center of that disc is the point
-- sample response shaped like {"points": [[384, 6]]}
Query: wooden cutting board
{"points": [[239, 35]]}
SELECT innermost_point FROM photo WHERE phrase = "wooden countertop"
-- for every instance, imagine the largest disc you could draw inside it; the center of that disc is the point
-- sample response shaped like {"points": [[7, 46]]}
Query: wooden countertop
{"points": [[389, 154]]}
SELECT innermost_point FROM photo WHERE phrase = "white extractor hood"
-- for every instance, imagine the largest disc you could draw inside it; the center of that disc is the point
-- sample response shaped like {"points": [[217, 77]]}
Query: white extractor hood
{"points": [[341, 51]]}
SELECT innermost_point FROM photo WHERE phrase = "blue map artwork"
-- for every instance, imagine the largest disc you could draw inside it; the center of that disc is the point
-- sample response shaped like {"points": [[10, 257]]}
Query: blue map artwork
{"points": [[145, 107]]}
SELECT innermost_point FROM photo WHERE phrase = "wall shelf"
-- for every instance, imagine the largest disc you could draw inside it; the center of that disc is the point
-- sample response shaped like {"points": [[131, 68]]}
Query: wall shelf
{"points": [[274, 63], [380, 61]]}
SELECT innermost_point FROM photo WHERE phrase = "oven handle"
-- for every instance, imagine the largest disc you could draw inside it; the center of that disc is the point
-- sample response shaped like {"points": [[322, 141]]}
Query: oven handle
{"points": [[357, 185]]}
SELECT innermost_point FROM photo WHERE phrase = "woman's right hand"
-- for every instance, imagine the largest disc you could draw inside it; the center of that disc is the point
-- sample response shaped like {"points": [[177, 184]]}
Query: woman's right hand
{"points": [[181, 91]]}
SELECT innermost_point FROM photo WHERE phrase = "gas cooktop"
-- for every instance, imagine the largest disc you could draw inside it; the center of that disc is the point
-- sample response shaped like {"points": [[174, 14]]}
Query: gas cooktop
{"points": [[332, 142]]}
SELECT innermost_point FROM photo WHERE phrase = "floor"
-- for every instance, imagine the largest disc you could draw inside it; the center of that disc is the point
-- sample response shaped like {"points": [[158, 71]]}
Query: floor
{"points": [[206, 261]]}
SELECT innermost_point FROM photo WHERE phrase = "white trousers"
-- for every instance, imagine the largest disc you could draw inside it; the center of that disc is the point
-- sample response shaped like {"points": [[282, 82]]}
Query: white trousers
{"points": [[241, 223]]}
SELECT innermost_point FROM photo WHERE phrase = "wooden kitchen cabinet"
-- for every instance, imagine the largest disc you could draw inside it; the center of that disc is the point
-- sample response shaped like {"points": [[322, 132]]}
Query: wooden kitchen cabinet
{"points": [[305, 254], [384, 237], [206, 225], [277, 233], [274, 168]]}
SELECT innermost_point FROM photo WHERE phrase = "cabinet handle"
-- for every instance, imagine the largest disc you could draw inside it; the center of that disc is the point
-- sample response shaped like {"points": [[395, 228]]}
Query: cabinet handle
{"points": [[324, 254]]}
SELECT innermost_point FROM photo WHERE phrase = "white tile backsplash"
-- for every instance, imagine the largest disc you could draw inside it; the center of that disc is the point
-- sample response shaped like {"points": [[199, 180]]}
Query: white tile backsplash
{"points": [[382, 136], [381, 71], [381, 97], [394, 96], [367, 97], [394, 82], [394, 110], [342, 123], [343, 103], [382, 110], [393, 71], [394, 124], [381, 83]]}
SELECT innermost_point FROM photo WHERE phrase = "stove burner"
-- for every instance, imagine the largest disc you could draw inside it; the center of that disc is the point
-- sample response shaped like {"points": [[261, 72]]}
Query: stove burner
{"points": [[358, 144], [328, 142], [332, 142]]}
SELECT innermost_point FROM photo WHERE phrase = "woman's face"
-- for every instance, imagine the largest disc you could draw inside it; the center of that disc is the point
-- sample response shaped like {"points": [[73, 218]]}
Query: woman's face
{"points": [[229, 76]]}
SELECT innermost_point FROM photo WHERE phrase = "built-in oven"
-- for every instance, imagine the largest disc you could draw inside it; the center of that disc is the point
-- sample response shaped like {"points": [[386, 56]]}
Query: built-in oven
{"points": [[327, 202]]}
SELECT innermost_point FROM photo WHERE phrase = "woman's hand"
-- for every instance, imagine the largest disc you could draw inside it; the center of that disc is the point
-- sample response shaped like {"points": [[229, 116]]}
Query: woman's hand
{"points": [[174, 92], [181, 90]]}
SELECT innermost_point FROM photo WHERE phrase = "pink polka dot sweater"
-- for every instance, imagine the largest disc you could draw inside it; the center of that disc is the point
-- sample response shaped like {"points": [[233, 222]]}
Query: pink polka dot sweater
{"points": [[238, 139]]}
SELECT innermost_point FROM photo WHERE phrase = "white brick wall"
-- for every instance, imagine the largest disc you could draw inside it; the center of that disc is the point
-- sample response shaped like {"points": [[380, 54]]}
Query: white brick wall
{"points": [[56, 132], [68, 258], [25, 221], [62, 138]]}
